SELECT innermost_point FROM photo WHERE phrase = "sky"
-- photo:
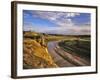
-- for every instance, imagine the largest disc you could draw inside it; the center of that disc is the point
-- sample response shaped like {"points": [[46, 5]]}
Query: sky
{"points": [[54, 22]]}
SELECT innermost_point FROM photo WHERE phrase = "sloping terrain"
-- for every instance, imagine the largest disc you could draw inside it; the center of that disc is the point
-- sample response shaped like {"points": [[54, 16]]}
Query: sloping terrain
{"points": [[35, 55]]}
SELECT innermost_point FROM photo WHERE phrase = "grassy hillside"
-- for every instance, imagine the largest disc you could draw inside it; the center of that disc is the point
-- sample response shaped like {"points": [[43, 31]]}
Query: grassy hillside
{"points": [[80, 47]]}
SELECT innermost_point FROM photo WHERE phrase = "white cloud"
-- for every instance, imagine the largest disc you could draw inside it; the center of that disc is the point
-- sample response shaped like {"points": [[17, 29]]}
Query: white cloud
{"points": [[69, 30], [72, 30], [72, 14], [61, 19]]}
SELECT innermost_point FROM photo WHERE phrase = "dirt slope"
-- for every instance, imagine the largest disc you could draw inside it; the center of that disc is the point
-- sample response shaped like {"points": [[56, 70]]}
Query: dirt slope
{"points": [[36, 56]]}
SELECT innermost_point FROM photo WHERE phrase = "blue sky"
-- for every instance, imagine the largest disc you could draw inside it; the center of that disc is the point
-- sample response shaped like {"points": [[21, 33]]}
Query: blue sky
{"points": [[54, 22]]}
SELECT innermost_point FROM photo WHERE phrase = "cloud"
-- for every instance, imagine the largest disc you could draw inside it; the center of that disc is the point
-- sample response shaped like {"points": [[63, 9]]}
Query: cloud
{"points": [[76, 30], [71, 14], [27, 26], [61, 19], [69, 30]]}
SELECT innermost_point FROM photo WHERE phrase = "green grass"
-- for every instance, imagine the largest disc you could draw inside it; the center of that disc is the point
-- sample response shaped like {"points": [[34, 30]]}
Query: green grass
{"points": [[81, 47]]}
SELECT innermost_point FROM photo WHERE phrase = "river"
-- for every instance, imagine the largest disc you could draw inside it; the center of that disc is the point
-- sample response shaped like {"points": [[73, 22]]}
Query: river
{"points": [[60, 61]]}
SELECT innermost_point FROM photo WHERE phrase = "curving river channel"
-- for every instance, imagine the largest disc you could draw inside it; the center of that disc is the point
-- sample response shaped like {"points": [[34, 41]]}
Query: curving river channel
{"points": [[59, 60]]}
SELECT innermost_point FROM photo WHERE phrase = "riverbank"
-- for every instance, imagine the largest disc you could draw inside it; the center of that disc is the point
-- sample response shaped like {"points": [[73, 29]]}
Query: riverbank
{"points": [[36, 56]]}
